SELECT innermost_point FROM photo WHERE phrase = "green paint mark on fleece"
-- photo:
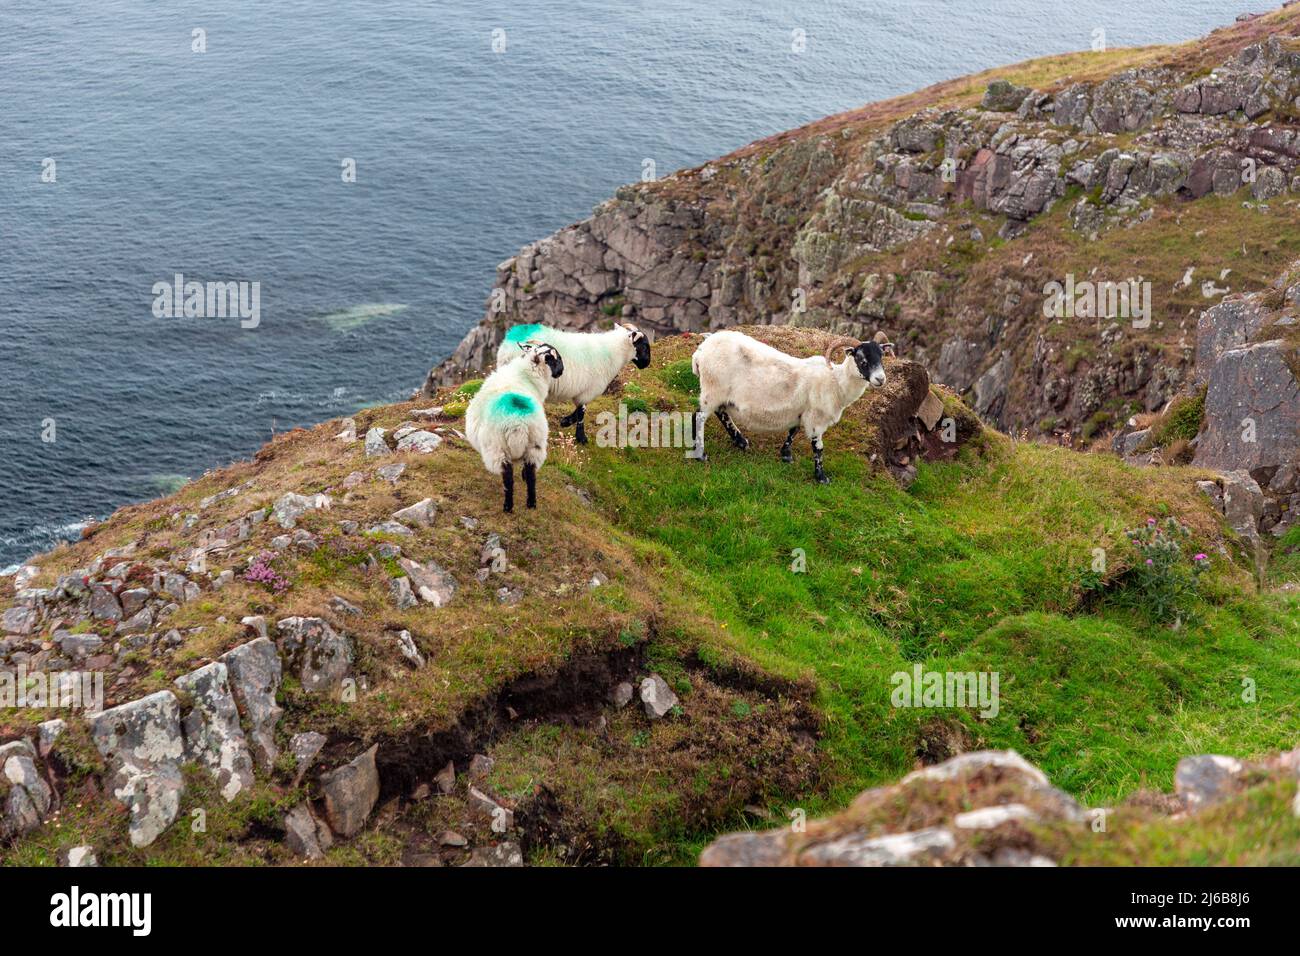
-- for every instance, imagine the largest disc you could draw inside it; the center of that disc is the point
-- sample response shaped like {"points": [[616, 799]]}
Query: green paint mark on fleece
{"points": [[513, 405], [522, 333]]}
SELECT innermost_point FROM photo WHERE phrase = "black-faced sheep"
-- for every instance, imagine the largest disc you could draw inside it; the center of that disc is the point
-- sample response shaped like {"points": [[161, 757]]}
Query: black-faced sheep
{"points": [[748, 384], [506, 421], [591, 359]]}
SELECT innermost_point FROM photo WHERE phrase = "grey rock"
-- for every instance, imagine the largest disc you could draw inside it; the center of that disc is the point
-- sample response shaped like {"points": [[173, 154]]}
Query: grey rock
{"points": [[621, 695], [79, 856], [322, 656], [896, 849], [657, 697], [213, 737], [421, 513], [140, 623], [500, 854], [419, 441], [1003, 97], [300, 833], [988, 818], [1243, 503], [1253, 384], [254, 672], [432, 583], [500, 818], [143, 746], [375, 444], [305, 747], [399, 589], [1228, 325], [1207, 779], [406, 644], [291, 506], [133, 600], [104, 605], [1005, 761], [21, 620], [350, 793], [48, 733], [391, 527], [391, 473], [30, 797], [343, 606]]}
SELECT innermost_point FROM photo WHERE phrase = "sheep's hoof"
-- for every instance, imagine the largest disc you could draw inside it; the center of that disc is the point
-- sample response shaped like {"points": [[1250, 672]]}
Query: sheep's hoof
{"points": [[580, 438], [787, 458], [823, 479], [741, 443]]}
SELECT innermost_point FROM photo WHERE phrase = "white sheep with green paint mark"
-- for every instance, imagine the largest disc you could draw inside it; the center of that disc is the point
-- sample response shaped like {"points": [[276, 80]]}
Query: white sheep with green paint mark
{"points": [[591, 360], [506, 420]]}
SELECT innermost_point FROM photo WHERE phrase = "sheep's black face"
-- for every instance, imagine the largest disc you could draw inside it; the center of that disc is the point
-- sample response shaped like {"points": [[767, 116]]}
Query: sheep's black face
{"points": [[870, 360], [553, 361], [642, 345], [538, 352]]}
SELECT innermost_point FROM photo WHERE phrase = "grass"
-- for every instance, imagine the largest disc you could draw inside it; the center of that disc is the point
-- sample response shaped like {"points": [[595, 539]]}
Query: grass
{"points": [[737, 566]]}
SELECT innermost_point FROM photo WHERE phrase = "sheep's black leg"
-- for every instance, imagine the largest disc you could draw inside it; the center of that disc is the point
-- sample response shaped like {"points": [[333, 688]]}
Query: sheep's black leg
{"points": [[737, 439], [572, 417], [786, 455], [817, 462], [508, 480], [530, 478], [580, 436], [698, 451]]}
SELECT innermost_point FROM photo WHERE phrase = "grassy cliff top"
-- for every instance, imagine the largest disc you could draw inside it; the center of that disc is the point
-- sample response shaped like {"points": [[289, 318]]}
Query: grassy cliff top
{"points": [[783, 675]]}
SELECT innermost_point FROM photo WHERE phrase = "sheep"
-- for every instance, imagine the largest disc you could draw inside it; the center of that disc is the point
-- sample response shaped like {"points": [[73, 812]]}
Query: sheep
{"points": [[505, 421], [753, 385], [592, 358]]}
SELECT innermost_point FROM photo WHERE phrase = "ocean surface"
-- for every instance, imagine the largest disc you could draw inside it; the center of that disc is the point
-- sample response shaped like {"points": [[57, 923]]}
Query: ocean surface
{"points": [[474, 125]]}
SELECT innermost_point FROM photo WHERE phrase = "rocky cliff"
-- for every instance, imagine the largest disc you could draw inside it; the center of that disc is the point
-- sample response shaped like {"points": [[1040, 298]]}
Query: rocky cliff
{"points": [[943, 218]]}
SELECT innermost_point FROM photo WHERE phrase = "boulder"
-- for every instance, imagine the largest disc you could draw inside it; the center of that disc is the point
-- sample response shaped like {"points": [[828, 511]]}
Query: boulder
{"points": [[1252, 410], [1002, 96], [1207, 779], [431, 582], [290, 507], [79, 856], [421, 513], [213, 736], [304, 835], [322, 656], [350, 793], [895, 849], [141, 742], [500, 854], [375, 443], [29, 798], [419, 441], [254, 673], [1243, 503], [657, 697], [1229, 325], [305, 748]]}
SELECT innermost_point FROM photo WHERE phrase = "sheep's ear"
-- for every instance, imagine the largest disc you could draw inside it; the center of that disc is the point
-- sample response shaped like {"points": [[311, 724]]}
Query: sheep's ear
{"points": [[888, 348]]}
